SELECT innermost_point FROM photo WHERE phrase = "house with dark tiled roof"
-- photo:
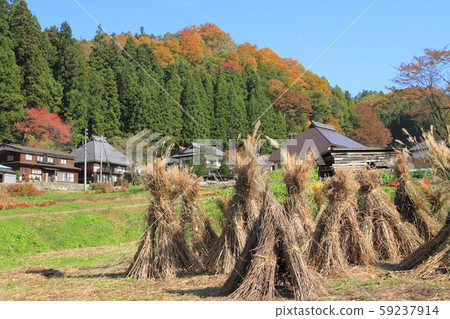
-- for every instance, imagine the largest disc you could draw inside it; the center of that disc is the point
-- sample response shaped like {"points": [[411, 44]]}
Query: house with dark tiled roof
{"points": [[39, 164], [334, 150], [419, 153], [318, 137], [187, 155], [104, 163]]}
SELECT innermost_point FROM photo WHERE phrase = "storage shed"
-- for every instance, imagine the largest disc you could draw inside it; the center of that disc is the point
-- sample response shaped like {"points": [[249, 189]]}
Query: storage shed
{"points": [[7, 175]]}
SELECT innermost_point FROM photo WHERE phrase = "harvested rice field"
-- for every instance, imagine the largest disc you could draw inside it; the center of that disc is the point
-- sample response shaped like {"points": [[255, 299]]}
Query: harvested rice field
{"points": [[82, 267]]}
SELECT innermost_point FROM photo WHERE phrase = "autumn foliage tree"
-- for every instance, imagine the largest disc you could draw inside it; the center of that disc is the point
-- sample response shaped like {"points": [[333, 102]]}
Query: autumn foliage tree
{"points": [[369, 130], [41, 128], [429, 76], [215, 39], [191, 43]]}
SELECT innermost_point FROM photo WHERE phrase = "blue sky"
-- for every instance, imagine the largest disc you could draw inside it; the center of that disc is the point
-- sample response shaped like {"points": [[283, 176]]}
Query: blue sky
{"points": [[393, 31]]}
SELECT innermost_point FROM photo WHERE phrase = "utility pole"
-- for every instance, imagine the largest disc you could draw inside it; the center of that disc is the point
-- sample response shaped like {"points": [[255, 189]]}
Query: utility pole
{"points": [[101, 160], [292, 134], [85, 158]]}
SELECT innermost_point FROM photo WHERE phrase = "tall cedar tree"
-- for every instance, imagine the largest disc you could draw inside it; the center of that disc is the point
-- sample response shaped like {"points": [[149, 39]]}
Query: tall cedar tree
{"points": [[194, 124], [37, 85], [70, 68], [173, 113], [11, 100]]}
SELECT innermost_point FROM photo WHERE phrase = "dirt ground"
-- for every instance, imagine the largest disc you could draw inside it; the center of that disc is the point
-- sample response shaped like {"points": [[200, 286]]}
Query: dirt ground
{"points": [[77, 272]]}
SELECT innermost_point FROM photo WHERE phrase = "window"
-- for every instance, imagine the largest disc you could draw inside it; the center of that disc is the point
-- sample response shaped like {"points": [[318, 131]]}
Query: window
{"points": [[40, 158], [28, 157], [25, 170], [10, 157], [50, 160], [36, 174], [63, 161], [65, 177]]}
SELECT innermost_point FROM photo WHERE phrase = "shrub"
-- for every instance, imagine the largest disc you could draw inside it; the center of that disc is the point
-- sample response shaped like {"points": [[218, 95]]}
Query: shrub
{"points": [[23, 190], [420, 173], [224, 169], [102, 187], [123, 185], [201, 169], [386, 178]]}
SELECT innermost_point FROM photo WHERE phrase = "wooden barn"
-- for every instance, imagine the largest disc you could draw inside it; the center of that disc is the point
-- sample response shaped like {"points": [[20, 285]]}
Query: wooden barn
{"points": [[318, 138], [355, 159]]}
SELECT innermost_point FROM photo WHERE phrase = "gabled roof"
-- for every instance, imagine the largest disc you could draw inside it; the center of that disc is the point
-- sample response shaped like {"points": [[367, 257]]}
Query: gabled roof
{"points": [[193, 149], [321, 125], [33, 150], [99, 149], [320, 135], [423, 146], [6, 169]]}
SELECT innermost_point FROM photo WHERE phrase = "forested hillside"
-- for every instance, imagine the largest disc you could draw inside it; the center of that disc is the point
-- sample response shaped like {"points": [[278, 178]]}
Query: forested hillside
{"points": [[197, 83]]}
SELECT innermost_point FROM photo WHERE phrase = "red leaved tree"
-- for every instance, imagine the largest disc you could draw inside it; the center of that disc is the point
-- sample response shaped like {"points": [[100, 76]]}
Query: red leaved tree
{"points": [[39, 128], [369, 130]]}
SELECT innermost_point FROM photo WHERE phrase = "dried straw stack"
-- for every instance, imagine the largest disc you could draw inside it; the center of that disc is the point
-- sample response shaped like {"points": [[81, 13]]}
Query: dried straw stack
{"points": [[204, 237], [246, 203], [296, 174], [271, 256], [434, 255], [163, 251], [338, 240], [380, 221], [240, 212], [410, 204]]}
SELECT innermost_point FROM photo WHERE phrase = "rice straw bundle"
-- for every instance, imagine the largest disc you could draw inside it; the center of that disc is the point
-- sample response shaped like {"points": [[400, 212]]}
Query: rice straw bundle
{"points": [[338, 240], [319, 197], [271, 255], [380, 221], [222, 256], [249, 179], [241, 211], [434, 255], [438, 198], [204, 237], [163, 250], [296, 174], [410, 204]]}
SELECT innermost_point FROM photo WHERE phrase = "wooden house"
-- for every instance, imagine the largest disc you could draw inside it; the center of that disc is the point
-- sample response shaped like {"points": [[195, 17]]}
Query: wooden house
{"points": [[419, 153], [334, 150], [187, 155], [105, 164], [39, 164], [318, 138]]}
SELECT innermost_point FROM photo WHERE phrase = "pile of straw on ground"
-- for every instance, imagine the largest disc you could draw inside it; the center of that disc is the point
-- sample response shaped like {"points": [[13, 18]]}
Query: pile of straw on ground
{"points": [[271, 258], [240, 212], [163, 251], [434, 255], [380, 221], [410, 204], [338, 240], [296, 175]]}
